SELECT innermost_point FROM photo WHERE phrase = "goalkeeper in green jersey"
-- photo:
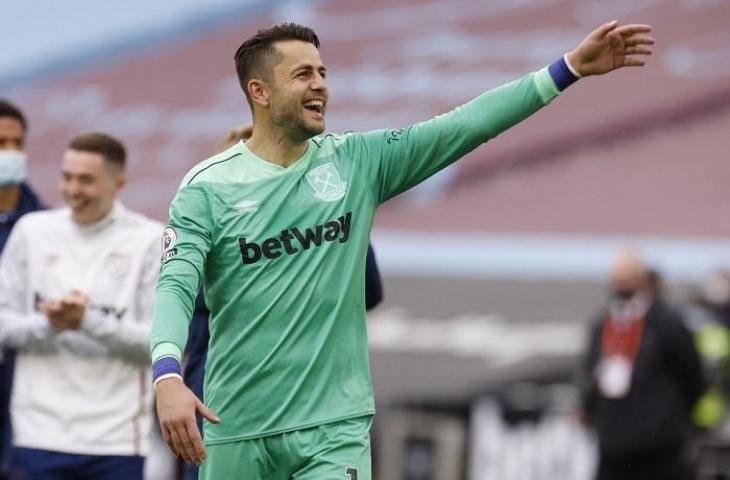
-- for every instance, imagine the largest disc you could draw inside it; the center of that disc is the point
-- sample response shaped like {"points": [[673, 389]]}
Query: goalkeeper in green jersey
{"points": [[276, 229]]}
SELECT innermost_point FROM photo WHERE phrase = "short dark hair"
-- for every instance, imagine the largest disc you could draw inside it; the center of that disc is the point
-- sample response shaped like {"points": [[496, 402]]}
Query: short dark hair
{"points": [[109, 147], [7, 109], [257, 57]]}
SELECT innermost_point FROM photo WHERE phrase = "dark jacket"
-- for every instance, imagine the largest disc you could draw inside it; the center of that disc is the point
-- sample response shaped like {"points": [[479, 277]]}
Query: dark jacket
{"points": [[29, 202], [373, 283], [667, 380]]}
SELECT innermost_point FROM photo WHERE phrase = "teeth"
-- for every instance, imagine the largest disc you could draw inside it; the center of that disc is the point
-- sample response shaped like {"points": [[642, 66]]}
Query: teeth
{"points": [[314, 104]]}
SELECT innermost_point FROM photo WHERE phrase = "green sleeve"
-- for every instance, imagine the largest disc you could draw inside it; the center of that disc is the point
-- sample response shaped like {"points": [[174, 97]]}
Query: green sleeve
{"points": [[400, 159], [187, 241]]}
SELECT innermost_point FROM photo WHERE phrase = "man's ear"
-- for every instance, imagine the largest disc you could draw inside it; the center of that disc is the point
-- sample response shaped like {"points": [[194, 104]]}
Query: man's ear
{"points": [[259, 92], [120, 181]]}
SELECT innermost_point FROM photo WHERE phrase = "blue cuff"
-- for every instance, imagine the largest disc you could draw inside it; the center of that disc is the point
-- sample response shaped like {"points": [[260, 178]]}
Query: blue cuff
{"points": [[562, 76], [166, 366]]}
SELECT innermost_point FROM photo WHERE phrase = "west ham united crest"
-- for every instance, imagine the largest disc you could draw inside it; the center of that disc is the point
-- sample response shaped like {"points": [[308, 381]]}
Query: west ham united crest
{"points": [[118, 265], [326, 182]]}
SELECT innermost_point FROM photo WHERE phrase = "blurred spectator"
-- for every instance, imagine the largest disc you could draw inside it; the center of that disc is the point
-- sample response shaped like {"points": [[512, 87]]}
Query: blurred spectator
{"points": [[76, 294], [198, 336], [639, 380], [16, 199], [708, 317], [715, 297]]}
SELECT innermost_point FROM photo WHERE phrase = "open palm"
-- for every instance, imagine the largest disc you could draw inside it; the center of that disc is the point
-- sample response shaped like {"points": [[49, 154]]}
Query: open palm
{"points": [[610, 47]]}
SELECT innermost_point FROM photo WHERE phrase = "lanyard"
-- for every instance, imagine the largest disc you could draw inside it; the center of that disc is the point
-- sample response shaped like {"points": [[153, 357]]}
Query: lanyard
{"points": [[622, 339]]}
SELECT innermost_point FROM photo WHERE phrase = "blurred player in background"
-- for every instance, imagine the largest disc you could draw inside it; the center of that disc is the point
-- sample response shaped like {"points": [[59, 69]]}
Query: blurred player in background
{"points": [[76, 294], [16, 199], [276, 229]]}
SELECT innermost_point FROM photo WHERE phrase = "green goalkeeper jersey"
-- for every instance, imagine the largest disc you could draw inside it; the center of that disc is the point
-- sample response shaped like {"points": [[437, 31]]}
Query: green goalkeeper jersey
{"points": [[280, 253]]}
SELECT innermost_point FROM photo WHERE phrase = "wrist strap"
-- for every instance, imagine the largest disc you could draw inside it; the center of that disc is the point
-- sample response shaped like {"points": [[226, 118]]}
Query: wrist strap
{"points": [[562, 73], [166, 367]]}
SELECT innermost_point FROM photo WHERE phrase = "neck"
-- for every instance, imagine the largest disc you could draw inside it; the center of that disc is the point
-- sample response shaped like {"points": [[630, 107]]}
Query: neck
{"points": [[90, 222], [273, 146], [9, 198]]}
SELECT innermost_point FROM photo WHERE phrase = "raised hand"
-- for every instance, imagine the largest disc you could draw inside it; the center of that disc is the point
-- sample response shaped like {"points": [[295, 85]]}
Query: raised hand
{"points": [[610, 47], [176, 408], [235, 135]]}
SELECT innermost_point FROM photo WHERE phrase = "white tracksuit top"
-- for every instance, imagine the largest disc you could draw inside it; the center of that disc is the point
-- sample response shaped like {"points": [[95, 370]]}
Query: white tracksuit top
{"points": [[86, 391]]}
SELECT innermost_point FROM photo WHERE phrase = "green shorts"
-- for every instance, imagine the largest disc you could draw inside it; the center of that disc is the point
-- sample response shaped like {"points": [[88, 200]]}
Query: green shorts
{"points": [[334, 451]]}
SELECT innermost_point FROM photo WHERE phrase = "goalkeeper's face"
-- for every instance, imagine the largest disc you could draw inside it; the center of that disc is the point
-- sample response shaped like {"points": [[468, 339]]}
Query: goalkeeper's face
{"points": [[299, 92]]}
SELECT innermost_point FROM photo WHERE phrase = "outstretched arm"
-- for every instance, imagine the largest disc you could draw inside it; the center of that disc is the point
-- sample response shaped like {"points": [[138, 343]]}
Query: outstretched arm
{"points": [[400, 159]]}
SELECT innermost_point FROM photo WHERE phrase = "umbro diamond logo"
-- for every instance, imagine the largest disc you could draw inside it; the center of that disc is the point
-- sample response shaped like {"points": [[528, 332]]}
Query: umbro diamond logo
{"points": [[247, 206]]}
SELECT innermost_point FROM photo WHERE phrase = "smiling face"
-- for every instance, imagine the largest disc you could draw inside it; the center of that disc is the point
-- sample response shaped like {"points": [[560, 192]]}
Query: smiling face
{"points": [[89, 185], [297, 90]]}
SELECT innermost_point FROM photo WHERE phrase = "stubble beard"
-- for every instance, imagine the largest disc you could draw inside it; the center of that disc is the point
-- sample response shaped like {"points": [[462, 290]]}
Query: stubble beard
{"points": [[291, 121]]}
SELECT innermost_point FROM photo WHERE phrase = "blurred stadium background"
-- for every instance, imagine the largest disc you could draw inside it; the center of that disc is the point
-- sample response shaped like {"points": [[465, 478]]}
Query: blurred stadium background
{"points": [[492, 267]]}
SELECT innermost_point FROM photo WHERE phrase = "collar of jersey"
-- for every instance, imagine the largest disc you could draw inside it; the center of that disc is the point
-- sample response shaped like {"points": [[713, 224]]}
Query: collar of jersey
{"points": [[91, 228], [272, 168]]}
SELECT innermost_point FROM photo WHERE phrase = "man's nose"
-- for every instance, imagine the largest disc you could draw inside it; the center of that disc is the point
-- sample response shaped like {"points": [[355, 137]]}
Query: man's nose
{"points": [[73, 187], [318, 83]]}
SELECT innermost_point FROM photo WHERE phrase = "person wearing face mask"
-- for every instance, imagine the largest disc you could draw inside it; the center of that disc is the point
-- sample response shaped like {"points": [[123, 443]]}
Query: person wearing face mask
{"points": [[639, 380], [76, 291], [16, 199]]}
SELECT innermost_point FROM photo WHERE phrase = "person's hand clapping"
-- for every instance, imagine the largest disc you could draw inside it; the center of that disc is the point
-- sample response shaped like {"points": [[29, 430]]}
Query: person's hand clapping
{"points": [[66, 313]]}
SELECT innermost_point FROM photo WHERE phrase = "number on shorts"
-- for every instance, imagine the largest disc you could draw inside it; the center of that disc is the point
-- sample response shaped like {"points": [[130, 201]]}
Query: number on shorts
{"points": [[352, 472]]}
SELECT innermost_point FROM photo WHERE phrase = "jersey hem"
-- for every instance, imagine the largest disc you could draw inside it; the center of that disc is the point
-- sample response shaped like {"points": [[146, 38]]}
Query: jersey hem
{"points": [[239, 438], [79, 448]]}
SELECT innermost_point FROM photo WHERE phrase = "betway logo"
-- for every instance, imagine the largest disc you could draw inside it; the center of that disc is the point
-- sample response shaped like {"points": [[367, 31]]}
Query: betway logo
{"points": [[293, 240]]}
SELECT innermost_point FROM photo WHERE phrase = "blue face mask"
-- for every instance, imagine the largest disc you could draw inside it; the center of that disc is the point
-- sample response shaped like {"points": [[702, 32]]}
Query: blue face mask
{"points": [[12, 167]]}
